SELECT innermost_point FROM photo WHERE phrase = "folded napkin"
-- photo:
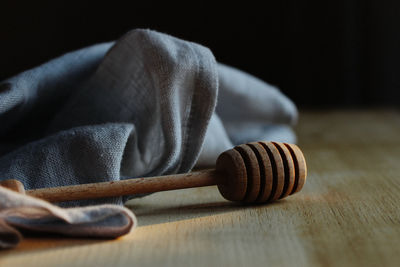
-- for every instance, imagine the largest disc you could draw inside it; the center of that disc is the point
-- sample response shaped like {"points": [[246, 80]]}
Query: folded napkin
{"points": [[32, 214], [148, 104]]}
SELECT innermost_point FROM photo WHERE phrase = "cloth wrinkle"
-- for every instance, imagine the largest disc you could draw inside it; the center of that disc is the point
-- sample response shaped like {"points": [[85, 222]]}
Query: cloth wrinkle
{"points": [[147, 104]]}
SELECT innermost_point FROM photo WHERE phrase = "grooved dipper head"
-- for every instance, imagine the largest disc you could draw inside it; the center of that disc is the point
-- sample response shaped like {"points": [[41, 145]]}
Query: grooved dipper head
{"points": [[261, 172]]}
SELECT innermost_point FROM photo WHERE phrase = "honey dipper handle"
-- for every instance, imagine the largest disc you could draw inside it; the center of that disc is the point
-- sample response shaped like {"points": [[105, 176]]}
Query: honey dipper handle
{"points": [[127, 187], [14, 185]]}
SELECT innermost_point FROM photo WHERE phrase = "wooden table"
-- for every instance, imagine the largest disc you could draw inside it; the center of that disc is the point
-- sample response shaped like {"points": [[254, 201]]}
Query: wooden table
{"points": [[348, 214]]}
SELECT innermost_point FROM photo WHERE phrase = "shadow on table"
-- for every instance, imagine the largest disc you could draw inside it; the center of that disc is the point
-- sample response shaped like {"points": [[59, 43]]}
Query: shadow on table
{"points": [[157, 215]]}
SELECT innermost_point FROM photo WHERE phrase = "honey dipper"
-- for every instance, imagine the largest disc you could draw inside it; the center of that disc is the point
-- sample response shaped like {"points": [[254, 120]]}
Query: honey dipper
{"points": [[257, 172]]}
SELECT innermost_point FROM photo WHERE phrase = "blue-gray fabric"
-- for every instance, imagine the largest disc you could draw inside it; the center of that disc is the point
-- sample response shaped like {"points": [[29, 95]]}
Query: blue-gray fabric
{"points": [[148, 104], [18, 211]]}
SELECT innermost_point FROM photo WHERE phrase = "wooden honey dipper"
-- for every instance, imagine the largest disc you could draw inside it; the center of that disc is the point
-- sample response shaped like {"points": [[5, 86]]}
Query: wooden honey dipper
{"points": [[257, 172]]}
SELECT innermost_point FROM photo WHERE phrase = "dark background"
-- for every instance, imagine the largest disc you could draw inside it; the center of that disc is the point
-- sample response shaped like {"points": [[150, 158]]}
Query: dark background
{"points": [[320, 53]]}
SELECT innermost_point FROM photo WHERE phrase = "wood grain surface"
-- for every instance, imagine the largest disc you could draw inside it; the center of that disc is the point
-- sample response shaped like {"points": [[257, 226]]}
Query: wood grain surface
{"points": [[348, 213]]}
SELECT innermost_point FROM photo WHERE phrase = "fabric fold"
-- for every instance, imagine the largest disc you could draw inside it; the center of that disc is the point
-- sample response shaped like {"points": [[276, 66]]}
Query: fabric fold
{"points": [[19, 211], [147, 104], [163, 88]]}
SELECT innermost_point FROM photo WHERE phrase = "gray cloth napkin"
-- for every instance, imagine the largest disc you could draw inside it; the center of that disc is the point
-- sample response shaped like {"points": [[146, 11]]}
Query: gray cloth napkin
{"points": [[28, 213], [144, 105]]}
